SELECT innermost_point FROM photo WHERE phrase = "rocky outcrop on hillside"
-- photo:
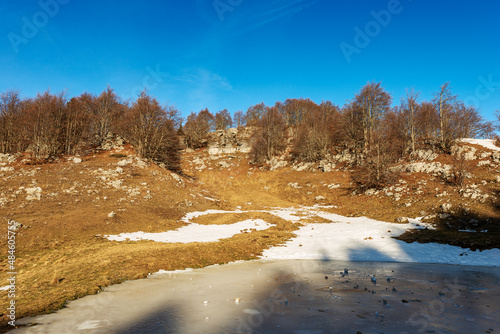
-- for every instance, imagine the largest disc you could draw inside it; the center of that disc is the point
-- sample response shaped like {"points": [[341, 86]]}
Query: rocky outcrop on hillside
{"points": [[230, 141]]}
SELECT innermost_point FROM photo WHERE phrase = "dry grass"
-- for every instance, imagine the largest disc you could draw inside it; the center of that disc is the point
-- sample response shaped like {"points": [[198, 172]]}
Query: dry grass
{"points": [[62, 255]]}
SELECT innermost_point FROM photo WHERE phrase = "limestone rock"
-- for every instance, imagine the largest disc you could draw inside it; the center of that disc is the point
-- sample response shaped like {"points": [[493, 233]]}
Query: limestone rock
{"points": [[34, 193]]}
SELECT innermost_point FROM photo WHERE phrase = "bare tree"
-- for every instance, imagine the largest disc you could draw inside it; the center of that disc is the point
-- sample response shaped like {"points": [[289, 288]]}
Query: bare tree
{"points": [[410, 108], [316, 132], [197, 128], [444, 100], [254, 114], [270, 140], [295, 110], [223, 120], [466, 122], [427, 120], [370, 104], [174, 115], [11, 109], [375, 171], [77, 122], [150, 129], [239, 119], [106, 109], [45, 116]]}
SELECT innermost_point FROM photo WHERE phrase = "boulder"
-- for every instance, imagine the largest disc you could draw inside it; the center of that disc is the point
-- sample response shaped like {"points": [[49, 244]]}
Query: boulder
{"points": [[34, 193], [446, 208]]}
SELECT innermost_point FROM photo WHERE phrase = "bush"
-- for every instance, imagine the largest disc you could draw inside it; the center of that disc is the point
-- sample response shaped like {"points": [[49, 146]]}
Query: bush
{"points": [[374, 171]]}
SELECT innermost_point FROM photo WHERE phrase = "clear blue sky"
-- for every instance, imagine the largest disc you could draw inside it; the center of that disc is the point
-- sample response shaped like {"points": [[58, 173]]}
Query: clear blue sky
{"points": [[236, 53]]}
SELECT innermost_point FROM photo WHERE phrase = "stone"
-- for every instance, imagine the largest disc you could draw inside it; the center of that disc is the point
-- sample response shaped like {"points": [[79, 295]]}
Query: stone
{"points": [[426, 155], [117, 183], [371, 191], [326, 166], [112, 214], [77, 160], [402, 220], [224, 164], [320, 198], [6, 169], [483, 163], [124, 162], [34, 193], [446, 208]]}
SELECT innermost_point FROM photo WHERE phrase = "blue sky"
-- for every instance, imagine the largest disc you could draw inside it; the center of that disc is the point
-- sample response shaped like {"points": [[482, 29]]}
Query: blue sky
{"points": [[236, 53]]}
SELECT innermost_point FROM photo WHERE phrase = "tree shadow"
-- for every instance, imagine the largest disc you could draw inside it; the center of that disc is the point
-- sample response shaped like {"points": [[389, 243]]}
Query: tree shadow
{"points": [[462, 228]]}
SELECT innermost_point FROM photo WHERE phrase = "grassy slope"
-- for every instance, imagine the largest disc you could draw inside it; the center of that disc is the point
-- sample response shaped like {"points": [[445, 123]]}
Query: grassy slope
{"points": [[61, 255]]}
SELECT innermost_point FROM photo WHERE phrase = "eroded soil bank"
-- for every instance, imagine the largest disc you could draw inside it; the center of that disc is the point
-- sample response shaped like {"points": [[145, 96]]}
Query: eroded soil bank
{"points": [[290, 297]]}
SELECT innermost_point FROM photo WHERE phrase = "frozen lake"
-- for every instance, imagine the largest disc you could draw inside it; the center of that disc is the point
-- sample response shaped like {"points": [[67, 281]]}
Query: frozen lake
{"points": [[290, 296]]}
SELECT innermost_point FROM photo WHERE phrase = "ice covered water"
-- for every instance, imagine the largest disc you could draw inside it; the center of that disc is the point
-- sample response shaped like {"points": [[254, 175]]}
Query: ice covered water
{"points": [[303, 296]]}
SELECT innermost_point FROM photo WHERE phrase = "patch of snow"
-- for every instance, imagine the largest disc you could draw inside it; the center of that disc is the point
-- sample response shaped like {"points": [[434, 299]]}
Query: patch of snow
{"points": [[488, 143], [195, 232], [364, 239]]}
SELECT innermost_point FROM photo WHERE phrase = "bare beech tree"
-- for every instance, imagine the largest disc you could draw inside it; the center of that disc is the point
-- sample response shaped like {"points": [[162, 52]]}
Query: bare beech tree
{"points": [[427, 120], [106, 108], [352, 127], [197, 128], [151, 131], [466, 122], [409, 109], [254, 114], [11, 109], [270, 140], [370, 104], [45, 116], [294, 110], [239, 119], [77, 122], [223, 120], [316, 132], [444, 101]]}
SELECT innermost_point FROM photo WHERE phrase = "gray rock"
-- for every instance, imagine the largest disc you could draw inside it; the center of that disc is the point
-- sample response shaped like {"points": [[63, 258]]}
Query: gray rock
{"points": [[446, 208], [402, 220], [426, 155], [34, 193], [371, 191]]}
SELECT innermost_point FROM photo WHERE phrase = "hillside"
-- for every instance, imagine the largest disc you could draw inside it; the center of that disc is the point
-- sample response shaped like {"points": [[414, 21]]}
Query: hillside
{"points": [[64, 210]]}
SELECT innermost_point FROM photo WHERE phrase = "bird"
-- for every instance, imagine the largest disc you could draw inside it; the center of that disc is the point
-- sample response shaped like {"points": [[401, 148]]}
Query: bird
{"points": [[373, 279], [346, 271], [388, 279]]}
